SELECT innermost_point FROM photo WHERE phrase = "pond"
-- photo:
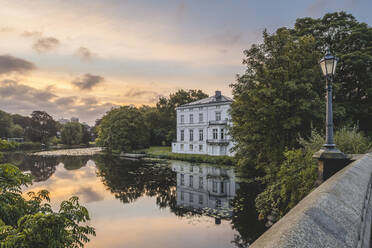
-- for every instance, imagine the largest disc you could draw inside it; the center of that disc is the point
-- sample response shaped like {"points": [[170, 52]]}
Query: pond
{"points": [[151, 203]]}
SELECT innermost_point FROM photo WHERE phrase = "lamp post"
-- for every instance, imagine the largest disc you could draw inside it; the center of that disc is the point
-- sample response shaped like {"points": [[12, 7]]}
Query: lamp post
{"points": [[330, 158]]}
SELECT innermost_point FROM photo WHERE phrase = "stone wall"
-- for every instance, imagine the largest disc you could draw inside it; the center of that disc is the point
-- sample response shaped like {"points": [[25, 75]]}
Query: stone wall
{"points": [[336, 214]]}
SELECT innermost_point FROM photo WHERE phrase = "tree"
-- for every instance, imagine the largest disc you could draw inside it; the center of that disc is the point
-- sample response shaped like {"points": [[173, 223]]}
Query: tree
{"points": [[167, 118], [6, 124], [72, 133], [123, 129], [280, 96], [17, 131], [42, 127], [33, 223]]}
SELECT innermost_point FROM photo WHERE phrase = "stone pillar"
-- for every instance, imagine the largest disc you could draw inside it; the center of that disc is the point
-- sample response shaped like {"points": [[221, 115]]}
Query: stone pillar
{"points": [[330, 161]]}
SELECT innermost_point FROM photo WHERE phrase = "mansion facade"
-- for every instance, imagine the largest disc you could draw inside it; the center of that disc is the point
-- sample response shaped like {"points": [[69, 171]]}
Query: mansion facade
{"points": [[202, 127]]}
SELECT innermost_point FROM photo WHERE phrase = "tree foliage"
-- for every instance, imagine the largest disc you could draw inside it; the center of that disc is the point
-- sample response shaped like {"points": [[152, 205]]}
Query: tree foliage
{"points": [[280, 96], [32, 222], [123, 129], [72, 133]]}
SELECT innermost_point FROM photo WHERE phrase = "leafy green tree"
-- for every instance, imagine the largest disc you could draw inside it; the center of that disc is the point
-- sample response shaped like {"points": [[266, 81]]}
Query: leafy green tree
{"points": [[123, 129], [6, 124], [17, 131], [33, 223], [166, 120], [281, 96], [72, 133], [42, 127]]}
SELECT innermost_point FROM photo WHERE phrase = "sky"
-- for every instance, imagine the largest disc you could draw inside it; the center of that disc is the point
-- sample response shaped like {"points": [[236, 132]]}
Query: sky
{"points": [[80, 58]]}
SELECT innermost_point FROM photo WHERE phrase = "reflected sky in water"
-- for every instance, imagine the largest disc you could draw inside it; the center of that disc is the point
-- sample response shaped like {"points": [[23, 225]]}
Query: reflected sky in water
{"points": [[151, 204]]}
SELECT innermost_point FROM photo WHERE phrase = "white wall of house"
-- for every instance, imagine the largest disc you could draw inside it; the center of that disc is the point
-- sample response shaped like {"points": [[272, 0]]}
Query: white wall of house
{"points": [[203, 129]]}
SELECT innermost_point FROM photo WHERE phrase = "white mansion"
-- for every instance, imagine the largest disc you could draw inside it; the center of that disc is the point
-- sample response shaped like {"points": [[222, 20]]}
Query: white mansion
{"points": [[202, 127]]}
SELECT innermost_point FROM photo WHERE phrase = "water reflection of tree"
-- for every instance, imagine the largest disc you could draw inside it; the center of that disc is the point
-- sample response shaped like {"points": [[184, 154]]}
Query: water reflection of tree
{"points": [[74, 162], [128, 180], [41, 168], [245, 217]]}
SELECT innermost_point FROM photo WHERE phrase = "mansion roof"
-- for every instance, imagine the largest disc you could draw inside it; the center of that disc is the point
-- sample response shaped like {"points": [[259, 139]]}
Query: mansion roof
{"points": [[217, 98]]}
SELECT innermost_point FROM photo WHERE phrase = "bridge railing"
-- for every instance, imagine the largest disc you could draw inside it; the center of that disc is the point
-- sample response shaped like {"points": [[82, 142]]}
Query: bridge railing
{"points": [[336, 214]]}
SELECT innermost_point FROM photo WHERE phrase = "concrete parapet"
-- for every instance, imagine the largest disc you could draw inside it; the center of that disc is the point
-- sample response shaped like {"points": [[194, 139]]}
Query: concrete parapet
{"points": [[336, 214]]}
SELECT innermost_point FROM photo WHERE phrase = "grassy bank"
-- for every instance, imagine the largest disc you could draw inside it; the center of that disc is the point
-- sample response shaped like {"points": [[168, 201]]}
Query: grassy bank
{"points": [[164, 152]]}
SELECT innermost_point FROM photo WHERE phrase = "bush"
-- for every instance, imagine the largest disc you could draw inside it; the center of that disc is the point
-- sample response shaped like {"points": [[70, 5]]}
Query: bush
{"points": [[8, 146], [33, 223], [297, 174]]}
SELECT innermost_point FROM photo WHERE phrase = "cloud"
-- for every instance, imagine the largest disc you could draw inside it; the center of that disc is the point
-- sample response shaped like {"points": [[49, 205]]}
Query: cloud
{"points": [[317, 6], [31, 34], [45, 44], [88, 194], [12, 90], [19, 98], [66, 101], [88, 81], [84, 53], [10, 64], [225, 38], [5, 29]]}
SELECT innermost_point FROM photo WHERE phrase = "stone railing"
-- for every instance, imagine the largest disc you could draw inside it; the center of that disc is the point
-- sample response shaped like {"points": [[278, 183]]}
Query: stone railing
{"points": [[336, 214]]}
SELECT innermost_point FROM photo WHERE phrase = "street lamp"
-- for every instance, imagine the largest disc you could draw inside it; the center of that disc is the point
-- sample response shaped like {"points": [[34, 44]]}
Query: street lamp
{"points": [[330, 158], [328, 64]]}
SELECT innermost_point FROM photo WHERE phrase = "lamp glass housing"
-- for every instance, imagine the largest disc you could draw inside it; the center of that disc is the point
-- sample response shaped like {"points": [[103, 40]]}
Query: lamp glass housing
{"points": [[328, 64]]}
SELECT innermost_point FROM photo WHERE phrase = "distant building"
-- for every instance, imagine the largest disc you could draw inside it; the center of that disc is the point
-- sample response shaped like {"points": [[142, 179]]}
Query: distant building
{"points": [[63, 121], [202, 127], [74, 119]]}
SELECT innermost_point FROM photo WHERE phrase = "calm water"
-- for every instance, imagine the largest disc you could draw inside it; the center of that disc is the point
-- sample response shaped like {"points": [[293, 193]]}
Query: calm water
{"points": [[151, 204]]}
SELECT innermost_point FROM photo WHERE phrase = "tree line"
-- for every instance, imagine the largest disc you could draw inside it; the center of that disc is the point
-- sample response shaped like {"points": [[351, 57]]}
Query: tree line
{"points": [[129, 128], [41, 128]]}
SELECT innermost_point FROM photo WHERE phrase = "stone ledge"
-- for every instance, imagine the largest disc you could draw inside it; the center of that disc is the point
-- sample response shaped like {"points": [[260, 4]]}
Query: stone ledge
{"points": [[333, 215]]}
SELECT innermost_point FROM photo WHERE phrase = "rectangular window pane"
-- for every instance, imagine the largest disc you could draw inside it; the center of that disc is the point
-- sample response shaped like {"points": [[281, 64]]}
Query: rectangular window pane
{"points": [[191, 147], [182, 119], [191, 135], [222, 133], [215, 134], [200, 148], [201, 117], [201, 199], [182, 135], [201, 134], [191, 183], [191, 118], [218, 116], [191, 197], [182, 179], [201, 183]]}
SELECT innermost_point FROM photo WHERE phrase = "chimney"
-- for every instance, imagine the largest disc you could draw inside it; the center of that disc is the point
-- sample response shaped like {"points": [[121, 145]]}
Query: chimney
{"points": [[218, 95]]}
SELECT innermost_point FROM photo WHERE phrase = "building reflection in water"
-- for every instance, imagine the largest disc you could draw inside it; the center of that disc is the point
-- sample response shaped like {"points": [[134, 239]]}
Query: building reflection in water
{"points": [[205, 189]]}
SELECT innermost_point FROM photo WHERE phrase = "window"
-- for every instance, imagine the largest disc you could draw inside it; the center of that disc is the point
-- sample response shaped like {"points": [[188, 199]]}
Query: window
{"points": [[200, 148], [182, 147], [182, 135], [218, 116], [201, 134], [222, 133], [217, 107], [182, 119], [182, 179], [182, 196], [191, 147], [200, 108], [201, 199], [201, 183], [201, 117], [215, 134], [191, 135], [214, 187], [191, 168], [222, 188], [191, 118], [191, 197], [191, 183]]}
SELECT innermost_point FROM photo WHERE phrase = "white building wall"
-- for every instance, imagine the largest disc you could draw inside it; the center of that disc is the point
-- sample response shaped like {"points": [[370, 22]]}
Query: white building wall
{"points": [[209, 115]]}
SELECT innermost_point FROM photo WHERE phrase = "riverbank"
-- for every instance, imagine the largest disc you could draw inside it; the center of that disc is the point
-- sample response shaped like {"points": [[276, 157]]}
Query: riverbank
{"points": [[70, 152], [165, 152]]}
